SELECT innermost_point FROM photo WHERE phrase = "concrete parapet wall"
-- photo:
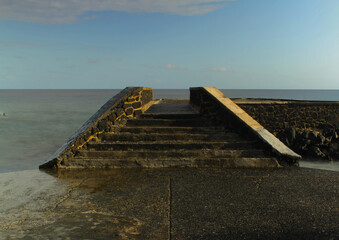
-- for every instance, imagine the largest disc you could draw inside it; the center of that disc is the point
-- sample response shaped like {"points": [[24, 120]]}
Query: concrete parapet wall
{"points": [[213, 103], [129, 103], [278, 115]]}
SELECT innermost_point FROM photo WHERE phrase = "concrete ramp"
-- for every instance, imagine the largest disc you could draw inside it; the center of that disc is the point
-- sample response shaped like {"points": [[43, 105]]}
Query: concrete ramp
{"points": [[133, 130]]}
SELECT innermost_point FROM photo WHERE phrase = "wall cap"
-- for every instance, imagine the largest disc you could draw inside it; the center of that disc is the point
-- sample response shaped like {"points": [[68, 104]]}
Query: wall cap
{"points": [[268, 138]]}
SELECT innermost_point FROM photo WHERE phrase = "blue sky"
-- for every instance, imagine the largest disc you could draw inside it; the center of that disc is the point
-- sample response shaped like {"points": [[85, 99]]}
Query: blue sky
{"points": [[245, 44]]}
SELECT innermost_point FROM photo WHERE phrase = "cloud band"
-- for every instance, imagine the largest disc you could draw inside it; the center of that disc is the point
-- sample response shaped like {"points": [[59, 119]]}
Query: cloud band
{"points": [[69, 11]]}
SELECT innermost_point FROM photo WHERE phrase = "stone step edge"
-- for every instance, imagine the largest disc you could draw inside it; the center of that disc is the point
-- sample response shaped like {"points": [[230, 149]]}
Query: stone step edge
{"points": [[173, 153], [193, 130], [168, 142], [220, 134], [179, 127], [218, 162], [169, 115], [178, 150]]}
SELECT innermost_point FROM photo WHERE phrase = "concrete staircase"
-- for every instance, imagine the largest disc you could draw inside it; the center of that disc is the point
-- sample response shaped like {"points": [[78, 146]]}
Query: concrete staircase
{"points": [[172, 134]]}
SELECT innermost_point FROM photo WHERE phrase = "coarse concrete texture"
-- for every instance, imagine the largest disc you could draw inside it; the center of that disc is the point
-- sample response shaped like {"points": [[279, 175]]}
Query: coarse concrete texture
{"points": [[276, 115], [109, 136], [171, 134], [213, 102], [178, 203]]}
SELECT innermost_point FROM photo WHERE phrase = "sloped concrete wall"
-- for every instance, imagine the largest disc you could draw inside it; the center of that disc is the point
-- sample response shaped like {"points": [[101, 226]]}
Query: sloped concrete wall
{"points": [[213, 103], [129, 103]]}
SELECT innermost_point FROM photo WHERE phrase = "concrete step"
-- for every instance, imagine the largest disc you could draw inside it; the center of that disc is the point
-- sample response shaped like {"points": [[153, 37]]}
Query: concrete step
{"points": [[176, 154], [170, 145], [169, 116], [123, 137], [169, 122], [199, 162], [173, 130]]}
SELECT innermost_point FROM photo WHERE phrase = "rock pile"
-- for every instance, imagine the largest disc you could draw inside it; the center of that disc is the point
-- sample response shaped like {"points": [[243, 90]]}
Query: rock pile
{"points": [[322, 143]]}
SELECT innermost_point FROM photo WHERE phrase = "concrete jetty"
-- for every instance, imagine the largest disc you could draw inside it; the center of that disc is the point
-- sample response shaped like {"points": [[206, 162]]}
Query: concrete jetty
{"points": [[114, 178], [173, 204], [208, 130]]}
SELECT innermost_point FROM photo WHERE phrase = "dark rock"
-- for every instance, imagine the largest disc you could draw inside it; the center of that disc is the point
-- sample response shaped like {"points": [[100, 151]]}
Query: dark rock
{"points": [[317, 152], [127, 105], [119, 112], [312, 136], [327, 130], [291, 135], [120, 104], [327, 141], [102, 125], [136, 104], [334, 147], [320, 140], [305, 134], [311, 143], [129, 111], [111, 117], [314, 114]]}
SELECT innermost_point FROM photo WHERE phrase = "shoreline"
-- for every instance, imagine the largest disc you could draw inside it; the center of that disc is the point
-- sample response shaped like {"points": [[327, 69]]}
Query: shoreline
{"points": [[307, 164]]}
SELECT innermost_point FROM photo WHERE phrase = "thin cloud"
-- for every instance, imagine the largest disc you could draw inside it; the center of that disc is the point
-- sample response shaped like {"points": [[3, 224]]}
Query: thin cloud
{"points": [[174, 67], [218, 69], [59, 59], [92, 17], [22, 44], [93, 61], [96, 60], [70, 11], [93, 47]]}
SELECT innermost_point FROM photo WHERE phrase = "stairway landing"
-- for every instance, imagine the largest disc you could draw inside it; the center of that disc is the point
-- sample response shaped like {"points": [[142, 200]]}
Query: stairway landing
{"points": [[171, 106]]}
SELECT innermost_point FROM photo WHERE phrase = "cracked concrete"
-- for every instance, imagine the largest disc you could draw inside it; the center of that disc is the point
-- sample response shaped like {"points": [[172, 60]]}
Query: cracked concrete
{"points": [[182, 203]]}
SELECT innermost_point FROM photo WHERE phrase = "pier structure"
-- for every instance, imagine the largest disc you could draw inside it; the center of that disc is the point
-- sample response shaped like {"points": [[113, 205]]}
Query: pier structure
{"points": [[208, 130]]}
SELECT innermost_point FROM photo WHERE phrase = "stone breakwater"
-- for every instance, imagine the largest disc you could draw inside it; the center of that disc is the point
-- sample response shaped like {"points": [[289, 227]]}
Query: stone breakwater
{"points": [[310, 128], [277, 115]]}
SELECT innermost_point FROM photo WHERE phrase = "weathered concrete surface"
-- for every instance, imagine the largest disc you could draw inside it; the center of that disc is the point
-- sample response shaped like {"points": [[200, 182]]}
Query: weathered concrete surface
{"points": [[172, 106], [185, 203], [208, 145], [244, 120]]}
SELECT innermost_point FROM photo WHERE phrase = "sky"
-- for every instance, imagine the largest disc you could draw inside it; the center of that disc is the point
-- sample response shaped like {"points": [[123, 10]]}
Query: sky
{"points": [[111, 44]]}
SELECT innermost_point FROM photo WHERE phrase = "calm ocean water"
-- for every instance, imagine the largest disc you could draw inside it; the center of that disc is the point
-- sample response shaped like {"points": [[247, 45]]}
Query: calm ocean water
{"points": [[38, 122]]}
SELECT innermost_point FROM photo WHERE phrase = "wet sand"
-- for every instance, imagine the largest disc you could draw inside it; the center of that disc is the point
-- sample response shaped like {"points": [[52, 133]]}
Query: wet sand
{"points": [[182, 203]]}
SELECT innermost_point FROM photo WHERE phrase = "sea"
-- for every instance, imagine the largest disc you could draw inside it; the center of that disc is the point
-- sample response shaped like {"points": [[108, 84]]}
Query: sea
{"points": [[38, 122]]}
